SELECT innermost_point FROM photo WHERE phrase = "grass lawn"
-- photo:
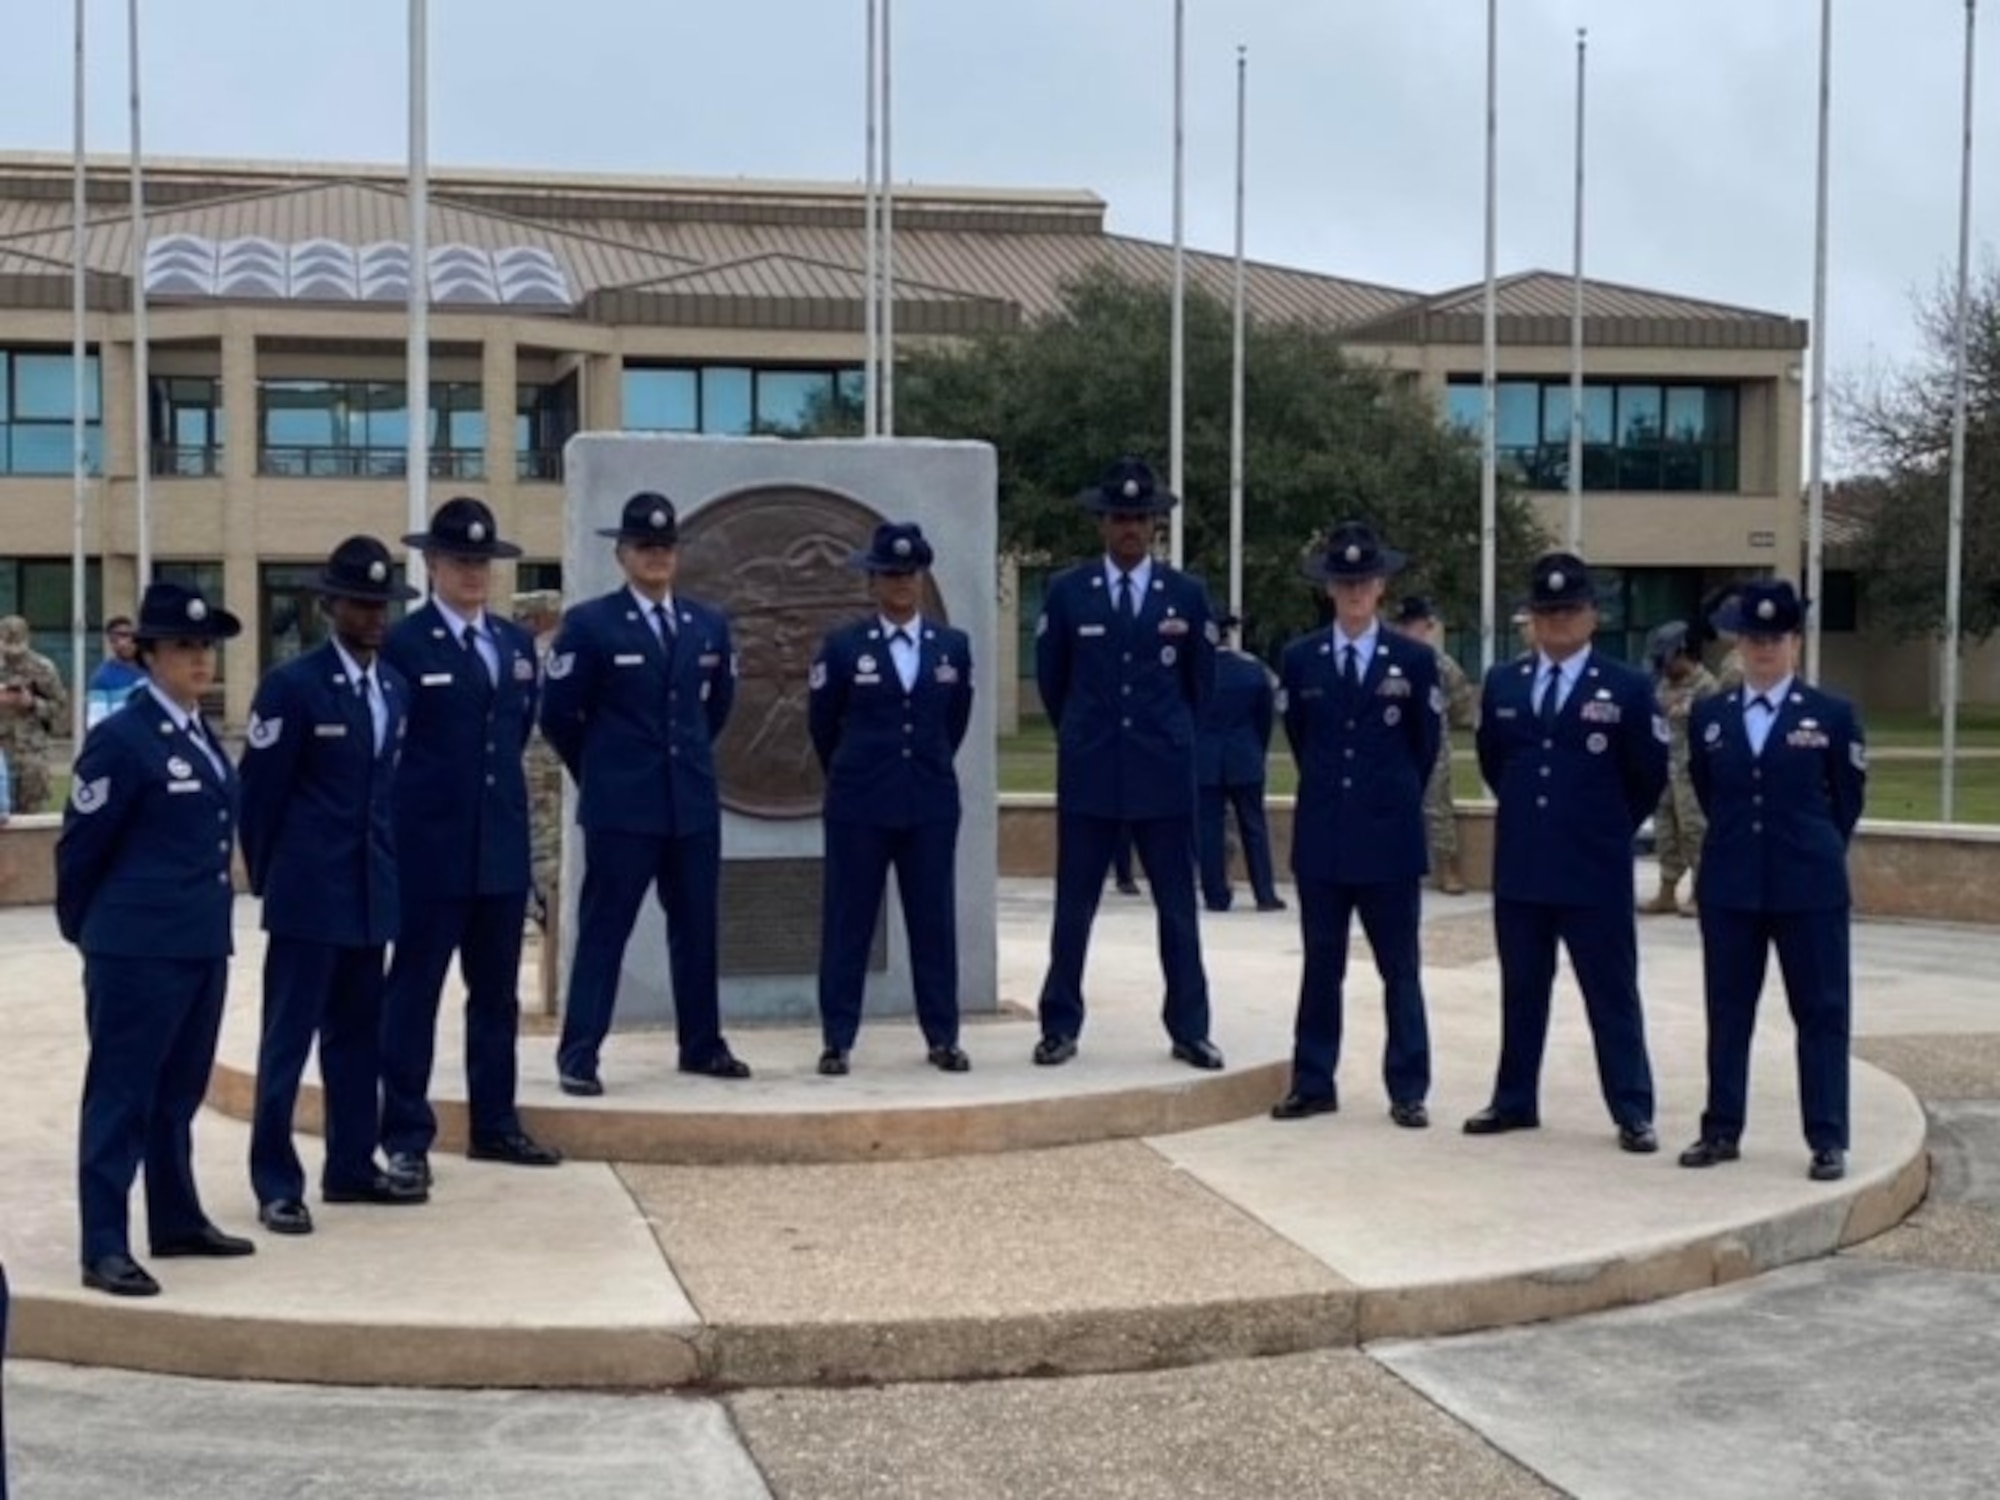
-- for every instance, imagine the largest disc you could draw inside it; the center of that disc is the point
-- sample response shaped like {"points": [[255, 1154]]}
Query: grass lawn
{"points": [[1902, 789]]}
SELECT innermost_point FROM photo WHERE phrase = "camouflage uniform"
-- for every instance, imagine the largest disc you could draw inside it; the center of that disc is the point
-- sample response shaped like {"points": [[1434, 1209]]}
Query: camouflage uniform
{"points": [[1729, 676], [36, 708], [545, 788], [1440, 811], [1678, 824]]}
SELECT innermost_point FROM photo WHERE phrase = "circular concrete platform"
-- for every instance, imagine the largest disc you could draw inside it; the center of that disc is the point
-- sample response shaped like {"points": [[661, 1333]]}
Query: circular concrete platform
{"points": [[1173, 1246]]}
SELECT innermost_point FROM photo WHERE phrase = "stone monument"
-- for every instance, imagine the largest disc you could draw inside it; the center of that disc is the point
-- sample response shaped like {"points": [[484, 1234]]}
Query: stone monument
{"points": [[766, 528]]}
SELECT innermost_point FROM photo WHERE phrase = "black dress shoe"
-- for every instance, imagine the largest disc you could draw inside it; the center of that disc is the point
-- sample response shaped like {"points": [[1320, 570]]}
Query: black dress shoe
{"points": [[411, 1166], [833, 1063], [285, 1216], [1828, 1165], [723, 1064], [1707, 1152], [391, 1192], [1215, 905], [1411, 1114], [1054, 1051], [1490, 1121], [121, 1276], [517, 1148], [1128, 888], [578, 1086], [1274, 904], [1202, 1054], [205, 1241], [1638, 1138], [1297, 1106], [949, 1059]]}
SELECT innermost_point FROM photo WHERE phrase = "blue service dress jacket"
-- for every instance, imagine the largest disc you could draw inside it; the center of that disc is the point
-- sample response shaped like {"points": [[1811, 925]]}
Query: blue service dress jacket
{"points": [[1235, 731], [888, 755], [617, 706], [1125, 695], [1779, 822], [318, 802], [1572, 798], [1364, 756], [461, 790], [143, 863]]}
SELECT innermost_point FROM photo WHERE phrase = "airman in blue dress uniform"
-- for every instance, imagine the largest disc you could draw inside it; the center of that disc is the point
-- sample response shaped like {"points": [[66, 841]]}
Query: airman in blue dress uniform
{"points": [[1575, 751], [319, 771], [639, 685], [1231, 748], [461, 846], [1363, 713], [1781, 769], [1125, 660], [891, 697], [143, 889]]}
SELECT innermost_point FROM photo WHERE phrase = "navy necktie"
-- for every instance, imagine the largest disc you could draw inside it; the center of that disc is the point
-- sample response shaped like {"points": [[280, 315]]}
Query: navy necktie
{"points": [[1125, 607], [1551, 697], [1350, 665]]}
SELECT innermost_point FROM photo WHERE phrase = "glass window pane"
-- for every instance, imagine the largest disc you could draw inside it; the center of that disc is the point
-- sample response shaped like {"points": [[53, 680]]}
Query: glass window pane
{"points": [[300, 414], [1598, 425], [725, 399], [42, 386], [791, 400], [1721, 423], [1465, 407], [1638, 414], [1687, 414], [387, 424], [1555, 413], [662, 401], [1520, 416], [42, 448]]}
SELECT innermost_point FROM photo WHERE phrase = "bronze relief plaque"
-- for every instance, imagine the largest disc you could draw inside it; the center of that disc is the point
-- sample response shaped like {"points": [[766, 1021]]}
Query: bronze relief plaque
{"points": [[774, 558]]}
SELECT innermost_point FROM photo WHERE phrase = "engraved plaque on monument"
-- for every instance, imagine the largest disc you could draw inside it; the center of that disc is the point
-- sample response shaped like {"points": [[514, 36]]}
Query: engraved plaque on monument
{"points": [[767, 526]]}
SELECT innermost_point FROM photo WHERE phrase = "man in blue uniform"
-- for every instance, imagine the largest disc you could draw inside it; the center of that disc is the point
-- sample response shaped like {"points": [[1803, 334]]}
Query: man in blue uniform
{"points": [[1125, 660], [1230, 751], [319, 772], [1575, 752], [1781, 770], [1363, 714], [462, 846], [143, 888], [891, 698], [639, 684]]}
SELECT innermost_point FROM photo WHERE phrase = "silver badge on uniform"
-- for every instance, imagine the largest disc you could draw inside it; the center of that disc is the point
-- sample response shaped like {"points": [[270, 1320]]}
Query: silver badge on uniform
{"points": [[262, 734], [1392, 716], [1167, 654], [88, 796], [866, 665], [1712, 733], [816, 678], [178, 768], [560, 665], [1597, 744]]}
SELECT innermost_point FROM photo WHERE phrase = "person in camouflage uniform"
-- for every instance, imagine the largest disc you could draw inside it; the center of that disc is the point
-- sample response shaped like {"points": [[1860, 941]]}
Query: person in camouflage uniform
{"points": [[1679, 682], [33, 706], [1417, 618], [1729, 674], [540, 613]]}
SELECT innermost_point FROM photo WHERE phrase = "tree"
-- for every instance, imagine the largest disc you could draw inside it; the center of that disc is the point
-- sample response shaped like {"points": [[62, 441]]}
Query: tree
{"points": [[1899, 426], [1328, 437]]}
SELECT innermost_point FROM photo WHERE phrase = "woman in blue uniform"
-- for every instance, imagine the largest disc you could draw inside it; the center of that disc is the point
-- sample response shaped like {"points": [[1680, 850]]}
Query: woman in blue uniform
{"points": [[143, 889]]}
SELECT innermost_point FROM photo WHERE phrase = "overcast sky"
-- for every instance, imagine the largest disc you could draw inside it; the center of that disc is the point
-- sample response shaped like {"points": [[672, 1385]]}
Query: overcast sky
{"points": [[1366, 118]]}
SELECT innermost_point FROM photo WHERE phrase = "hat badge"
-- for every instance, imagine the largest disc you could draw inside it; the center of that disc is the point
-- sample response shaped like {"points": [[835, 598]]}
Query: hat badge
{"points": [[902, 547], [378, 571], [196, 610], [657, 520], [476, 532], [1766, 610], [1352, 554], [1557, 580], [1131, 489]]}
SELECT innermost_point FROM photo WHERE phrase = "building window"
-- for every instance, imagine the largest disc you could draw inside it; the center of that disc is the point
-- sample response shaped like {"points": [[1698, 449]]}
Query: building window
{"points": [[732, 399], [545, 418], [188, 426], [38, 590], [36, 395], [1636, 435], [359, 429]]}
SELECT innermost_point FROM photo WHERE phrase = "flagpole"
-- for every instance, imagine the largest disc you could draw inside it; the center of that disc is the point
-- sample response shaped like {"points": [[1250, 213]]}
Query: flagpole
{"points": [[871, 369], [1236, 364], [1177, 338], [1575, 531], [142, 395], [1955, 526], [1816, 442], [79, 427], [888, 230], [417, 395], [1489, 463]]}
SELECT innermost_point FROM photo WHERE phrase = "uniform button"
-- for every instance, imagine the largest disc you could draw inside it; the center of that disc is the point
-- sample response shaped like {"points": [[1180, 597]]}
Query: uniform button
{"points": [[1756, 827], [1125, 723], [1547, 772], [1348, 753], [1347, 781], [491, 747], [673, 749], [1541, 802], [906, 752], [1127, 690], [1127, 656], [909, 729], [1758, 774], [223, 878], [489, 781], [223, 846], [1548, 744], [222, 817], [1757, 800]]}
